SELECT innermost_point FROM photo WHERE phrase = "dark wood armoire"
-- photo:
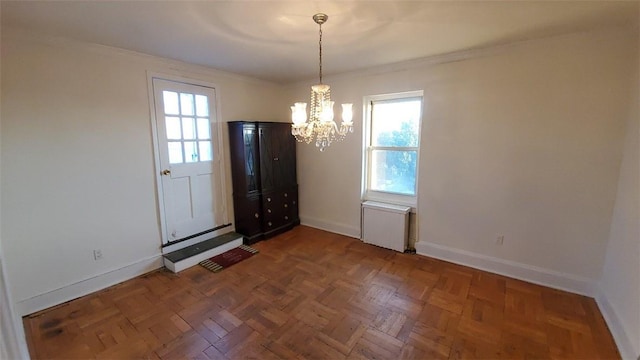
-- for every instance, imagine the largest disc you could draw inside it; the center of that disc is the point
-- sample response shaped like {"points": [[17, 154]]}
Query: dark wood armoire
{"points": [[265, 186]]}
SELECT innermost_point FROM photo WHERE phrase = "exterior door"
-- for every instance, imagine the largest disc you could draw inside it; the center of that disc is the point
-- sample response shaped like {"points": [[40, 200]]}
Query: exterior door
{"points": [[192, 194]]}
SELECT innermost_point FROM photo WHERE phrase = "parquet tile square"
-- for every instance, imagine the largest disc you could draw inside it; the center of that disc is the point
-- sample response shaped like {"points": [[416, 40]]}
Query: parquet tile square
{"points": [[186, 346], [311, 294], [446, 301], [367, 349], [521, 347], [405, 304], [425, 332], [430, 348], [437, 318], [389, 322]]}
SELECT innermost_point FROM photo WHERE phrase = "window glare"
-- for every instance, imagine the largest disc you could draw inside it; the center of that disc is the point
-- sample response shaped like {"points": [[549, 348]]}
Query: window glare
{"points": [[394, 171], [395, 123]]}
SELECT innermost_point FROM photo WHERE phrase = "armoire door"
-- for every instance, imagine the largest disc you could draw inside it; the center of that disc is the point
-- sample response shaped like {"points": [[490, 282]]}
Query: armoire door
{"points": [[245, 158], [277, 156]]}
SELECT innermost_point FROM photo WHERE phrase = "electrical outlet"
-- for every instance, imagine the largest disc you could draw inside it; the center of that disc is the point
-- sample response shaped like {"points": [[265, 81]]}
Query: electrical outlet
{"points": [[97, 254], [500, 240]]}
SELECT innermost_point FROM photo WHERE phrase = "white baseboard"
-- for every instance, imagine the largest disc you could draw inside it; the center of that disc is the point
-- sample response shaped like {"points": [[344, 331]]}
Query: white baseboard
{"points": [[87, 286], [529, 273], [621, 337], [338, 228]]}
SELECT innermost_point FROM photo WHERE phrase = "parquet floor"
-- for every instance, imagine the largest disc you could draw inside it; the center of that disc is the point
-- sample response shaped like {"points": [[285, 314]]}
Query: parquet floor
{"points": [[311, 294]]}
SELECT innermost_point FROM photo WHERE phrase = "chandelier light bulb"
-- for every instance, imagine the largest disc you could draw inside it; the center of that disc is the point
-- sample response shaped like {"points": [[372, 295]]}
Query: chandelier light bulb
{"points": [[326, 114], [299, 113], [347, 114]]}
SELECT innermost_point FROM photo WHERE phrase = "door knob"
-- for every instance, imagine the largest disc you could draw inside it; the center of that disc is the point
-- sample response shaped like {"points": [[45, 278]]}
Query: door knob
{"points": [[166, 172]]}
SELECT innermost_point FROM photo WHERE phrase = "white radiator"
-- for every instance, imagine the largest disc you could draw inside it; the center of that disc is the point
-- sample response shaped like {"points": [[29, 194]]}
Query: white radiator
{"points": [[385, 225]]}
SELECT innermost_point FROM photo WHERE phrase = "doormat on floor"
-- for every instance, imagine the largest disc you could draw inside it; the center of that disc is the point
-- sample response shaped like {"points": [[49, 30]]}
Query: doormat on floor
{"points": [[226, 259]]}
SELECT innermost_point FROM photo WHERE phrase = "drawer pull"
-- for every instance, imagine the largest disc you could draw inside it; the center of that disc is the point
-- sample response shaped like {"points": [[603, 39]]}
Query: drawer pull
{"points": [[269, 211], [285, 195], [285, 205], [286, 218], [256, 215], [270, 223], [294, 202], [269, 199]]}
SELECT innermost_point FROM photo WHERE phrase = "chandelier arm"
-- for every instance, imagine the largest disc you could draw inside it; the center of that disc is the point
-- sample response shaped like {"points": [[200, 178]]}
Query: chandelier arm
{"points": [[342, 131], [335, 127], [309, 129]]}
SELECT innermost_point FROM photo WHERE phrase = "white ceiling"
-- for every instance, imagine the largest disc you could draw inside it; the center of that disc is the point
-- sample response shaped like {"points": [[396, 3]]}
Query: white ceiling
{"points": [[278, 41]]}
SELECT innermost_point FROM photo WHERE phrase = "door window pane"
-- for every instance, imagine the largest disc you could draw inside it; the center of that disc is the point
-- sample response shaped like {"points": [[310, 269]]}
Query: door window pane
{"points": [[203, 129], [188, 128], [175, 152], [186, 104], [170, 100], [190, 152], [394, 171], [173, 128], [205, 150], [202, 105]]}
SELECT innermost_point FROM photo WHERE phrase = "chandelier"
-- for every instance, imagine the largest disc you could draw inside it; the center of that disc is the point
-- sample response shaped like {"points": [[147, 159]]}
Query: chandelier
{"points": [[320, 125]]}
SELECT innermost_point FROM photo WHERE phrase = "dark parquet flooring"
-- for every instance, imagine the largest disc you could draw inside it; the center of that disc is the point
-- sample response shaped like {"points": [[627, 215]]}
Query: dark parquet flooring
{"points": [[311, 294]]}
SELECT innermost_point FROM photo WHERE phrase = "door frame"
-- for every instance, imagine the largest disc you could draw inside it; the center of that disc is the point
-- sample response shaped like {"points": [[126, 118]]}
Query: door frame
{"points": [[164, 237]]}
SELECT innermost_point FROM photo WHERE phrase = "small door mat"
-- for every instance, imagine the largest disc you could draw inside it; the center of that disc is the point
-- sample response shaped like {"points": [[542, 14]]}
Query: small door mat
{"points": [[226, 259]]}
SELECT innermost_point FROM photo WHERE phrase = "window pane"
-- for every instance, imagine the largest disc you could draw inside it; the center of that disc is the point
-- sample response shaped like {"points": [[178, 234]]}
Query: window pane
{"points": [[173, 128], [205, 150], [188, 128], [190, 152], [395, 123], [202, 105], [203, 129], [186, 104], [394, 171], [175, 152], [170, 100]]}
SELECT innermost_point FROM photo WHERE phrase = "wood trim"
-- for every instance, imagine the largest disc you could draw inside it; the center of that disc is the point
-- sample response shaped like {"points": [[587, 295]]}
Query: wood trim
{"points": [[529, 273], [620, 335], [87, 286]]}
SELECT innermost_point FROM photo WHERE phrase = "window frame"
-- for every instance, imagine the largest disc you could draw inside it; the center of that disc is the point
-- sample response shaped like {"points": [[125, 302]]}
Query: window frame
{"points": [[368, 148]]}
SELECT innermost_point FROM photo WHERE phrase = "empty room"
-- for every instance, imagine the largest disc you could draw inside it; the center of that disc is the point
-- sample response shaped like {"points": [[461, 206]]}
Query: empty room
{"points": [[319, 179]]}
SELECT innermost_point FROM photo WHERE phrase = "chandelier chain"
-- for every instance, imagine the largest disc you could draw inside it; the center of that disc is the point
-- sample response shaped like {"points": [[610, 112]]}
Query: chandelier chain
{"points": [[320, 47]]}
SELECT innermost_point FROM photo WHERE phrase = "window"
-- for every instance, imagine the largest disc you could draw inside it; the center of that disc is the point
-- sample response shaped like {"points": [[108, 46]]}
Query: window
{"points": [[187, 122], [392, 143]]}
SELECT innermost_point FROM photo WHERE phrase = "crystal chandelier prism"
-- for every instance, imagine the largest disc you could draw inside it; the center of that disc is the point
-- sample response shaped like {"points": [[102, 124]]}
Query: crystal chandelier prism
{"points": [[319, 126]]}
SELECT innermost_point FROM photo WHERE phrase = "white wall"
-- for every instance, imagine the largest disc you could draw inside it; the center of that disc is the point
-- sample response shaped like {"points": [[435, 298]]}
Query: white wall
{"points": [[78, 165], [523, 141], [619, 296], [12, 343]]}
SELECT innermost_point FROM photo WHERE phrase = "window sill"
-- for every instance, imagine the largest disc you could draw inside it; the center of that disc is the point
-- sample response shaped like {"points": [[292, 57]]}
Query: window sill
{"points": [[393, 199]]}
